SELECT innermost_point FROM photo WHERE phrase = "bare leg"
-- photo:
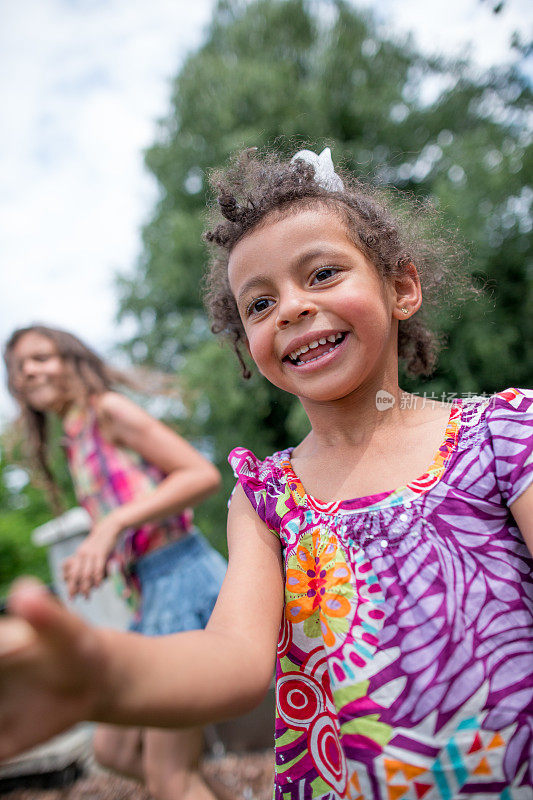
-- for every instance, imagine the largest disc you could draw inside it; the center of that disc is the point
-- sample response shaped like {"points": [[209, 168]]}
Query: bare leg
{"points": [[120, 749], [170, 762]]}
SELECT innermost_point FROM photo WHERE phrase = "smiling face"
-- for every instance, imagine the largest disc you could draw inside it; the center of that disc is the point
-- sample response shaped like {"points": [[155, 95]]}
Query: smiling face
{"points": [[319, 320], [39, 374]]}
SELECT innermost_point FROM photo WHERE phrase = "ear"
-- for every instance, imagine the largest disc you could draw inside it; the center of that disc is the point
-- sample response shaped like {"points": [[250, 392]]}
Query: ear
{"points": [[408, 293]]}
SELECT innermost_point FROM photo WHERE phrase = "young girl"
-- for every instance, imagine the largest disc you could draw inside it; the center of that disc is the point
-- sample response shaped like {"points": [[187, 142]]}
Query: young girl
{"points": [[392, 542], [138, 480]]}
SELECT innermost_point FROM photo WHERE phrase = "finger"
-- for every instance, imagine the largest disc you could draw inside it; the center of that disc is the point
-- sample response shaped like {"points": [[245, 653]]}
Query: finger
{"points": [[72, 588], [102, 566], [71, 567], [15, 635], [97, 574], [96, 571], [80, 565], [72, 581], [68, 566], [100, 571], [73, 559], [85, 588], [31, 602], [87, 575], [24, 593]]}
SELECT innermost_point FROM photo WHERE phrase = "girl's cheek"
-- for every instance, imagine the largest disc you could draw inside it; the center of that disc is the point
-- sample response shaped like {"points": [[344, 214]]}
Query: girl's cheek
{"points": [[261, 354], [255, 353], [19, 388]]}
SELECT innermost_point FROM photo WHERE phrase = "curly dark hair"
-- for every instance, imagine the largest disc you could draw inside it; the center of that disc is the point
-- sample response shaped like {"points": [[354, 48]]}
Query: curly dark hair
{"points": [[391, 229]]}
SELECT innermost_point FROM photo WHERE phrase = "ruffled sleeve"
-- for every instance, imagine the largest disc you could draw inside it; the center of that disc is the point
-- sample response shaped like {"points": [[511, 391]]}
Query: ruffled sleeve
{"points": [[261, 484], [510, 423]]}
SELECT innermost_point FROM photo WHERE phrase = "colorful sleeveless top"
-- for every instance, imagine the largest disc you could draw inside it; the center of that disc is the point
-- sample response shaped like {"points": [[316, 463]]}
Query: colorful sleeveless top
{"points": [[106, 476], [405, 656]]}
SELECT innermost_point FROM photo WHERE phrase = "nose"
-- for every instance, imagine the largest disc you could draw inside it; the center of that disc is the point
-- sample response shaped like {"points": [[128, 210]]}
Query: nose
{"points": [[27, 367], [293, 308]]}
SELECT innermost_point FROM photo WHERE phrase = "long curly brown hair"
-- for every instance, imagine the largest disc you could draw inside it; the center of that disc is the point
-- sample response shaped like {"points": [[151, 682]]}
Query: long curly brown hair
{"points": [[391, 229], [91, 376]]}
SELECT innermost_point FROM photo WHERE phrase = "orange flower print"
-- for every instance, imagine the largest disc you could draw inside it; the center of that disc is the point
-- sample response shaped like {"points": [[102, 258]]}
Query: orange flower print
{"points": [[318, 587]]}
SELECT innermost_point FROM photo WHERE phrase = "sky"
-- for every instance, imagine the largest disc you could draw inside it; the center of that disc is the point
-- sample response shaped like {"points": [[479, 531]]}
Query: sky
{"points": [[83, 84]]}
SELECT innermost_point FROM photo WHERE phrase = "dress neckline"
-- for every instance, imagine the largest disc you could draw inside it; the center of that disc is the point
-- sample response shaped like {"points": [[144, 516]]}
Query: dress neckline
{"points": [[75, 420], [402, 496]]}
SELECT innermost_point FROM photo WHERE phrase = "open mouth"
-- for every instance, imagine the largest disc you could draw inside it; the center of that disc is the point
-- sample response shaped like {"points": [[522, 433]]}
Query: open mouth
{"points": [[315, 349]]}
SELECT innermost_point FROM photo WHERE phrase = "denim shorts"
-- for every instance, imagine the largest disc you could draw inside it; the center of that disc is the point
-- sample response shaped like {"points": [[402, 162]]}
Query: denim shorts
{"points": [[179, 586]]}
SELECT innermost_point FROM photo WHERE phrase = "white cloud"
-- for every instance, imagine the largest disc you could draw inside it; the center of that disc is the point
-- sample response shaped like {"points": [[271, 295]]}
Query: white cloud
{"points": [[466, 28], [82, 86]]}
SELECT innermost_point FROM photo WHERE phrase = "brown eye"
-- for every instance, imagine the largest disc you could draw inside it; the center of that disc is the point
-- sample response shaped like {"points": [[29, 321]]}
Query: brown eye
{"points": [[324, 274], [258, 306]]}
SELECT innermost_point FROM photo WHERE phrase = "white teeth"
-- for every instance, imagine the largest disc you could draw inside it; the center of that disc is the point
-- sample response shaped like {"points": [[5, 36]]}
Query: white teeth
{"points": [[333, 337]]}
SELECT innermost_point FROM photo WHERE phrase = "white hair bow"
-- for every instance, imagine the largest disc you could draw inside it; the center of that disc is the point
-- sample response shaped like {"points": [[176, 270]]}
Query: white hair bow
{"points": [[325, 174]]}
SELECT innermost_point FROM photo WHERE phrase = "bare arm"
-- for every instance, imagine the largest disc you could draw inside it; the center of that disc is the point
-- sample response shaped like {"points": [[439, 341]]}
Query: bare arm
{"points": [[190, 478], [522, 511], [223, 670], [55, 670]]}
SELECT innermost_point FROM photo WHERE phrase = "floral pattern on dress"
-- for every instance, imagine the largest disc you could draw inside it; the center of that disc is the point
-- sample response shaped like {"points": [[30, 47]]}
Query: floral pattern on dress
{"points": [[319, 577], [425, 687]]}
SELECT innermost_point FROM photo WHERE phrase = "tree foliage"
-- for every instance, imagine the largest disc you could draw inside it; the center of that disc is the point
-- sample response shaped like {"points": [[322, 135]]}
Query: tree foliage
{"points": [[23, 508], [25, 505], [288, 73]]}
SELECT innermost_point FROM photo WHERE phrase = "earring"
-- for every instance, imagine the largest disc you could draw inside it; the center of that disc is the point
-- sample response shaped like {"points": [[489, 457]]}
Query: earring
{"points": [[404, 310]]}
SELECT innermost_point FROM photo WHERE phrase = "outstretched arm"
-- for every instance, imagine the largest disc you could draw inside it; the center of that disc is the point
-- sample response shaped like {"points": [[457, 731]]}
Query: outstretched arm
{"points": [[190, 478], [55, 670]]}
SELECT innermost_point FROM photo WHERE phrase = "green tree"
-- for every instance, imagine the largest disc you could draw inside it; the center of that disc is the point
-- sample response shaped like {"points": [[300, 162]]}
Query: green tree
{"points": [[25, 505], [288, 73], [23, 508]]}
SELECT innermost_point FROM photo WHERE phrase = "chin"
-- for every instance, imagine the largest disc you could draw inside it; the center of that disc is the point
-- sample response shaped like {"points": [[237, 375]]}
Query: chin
{"points": [[42, 409], [41, 404], [326, 394]]}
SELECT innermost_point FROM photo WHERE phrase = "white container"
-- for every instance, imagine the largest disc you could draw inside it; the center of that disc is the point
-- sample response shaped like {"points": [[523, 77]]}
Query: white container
{"points": [[62, 536]]}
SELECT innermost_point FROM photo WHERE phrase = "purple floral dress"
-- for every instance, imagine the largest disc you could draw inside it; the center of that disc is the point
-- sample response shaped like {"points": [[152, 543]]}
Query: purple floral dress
{"points": [[405, 656]]}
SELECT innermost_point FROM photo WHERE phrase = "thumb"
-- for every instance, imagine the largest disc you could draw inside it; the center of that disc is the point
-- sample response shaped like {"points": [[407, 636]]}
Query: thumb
{"points": [[44, 615]]}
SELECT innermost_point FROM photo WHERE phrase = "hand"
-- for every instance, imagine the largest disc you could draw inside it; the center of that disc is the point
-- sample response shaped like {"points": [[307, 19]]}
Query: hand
{"points": [[86, 569], [50, 666]]}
